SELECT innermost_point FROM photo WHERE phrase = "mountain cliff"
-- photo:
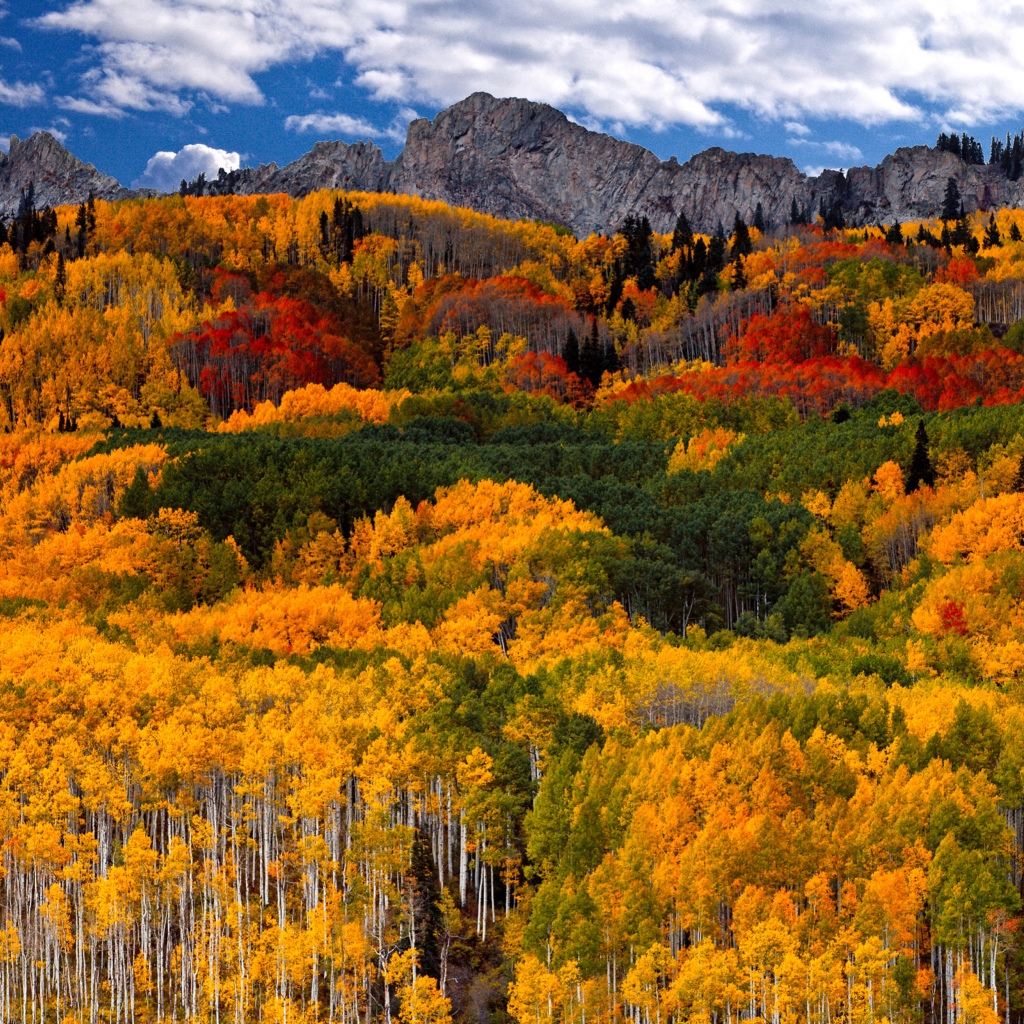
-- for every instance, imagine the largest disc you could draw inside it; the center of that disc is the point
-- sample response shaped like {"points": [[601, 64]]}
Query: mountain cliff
{"points": [[515, 158], [58, 176]]}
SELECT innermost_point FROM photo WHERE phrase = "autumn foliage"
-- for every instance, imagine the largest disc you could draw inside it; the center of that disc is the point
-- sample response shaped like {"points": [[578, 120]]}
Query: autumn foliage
{"points": [[413, 616]]}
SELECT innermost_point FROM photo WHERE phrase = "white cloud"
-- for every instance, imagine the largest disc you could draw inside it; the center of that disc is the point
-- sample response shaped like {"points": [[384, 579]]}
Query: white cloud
{"points": [[650, 62], [60, 136], [20, 94], [11, 44], [342, 124], [796, 128], [165, 170], [79, 105], [843, 150], [5, 143]]}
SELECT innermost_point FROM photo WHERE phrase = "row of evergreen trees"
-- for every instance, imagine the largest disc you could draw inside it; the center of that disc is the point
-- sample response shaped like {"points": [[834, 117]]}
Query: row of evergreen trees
{"points": [[223, 185], [29, 225], [965, 146], [1009, 155], [591, 360]]}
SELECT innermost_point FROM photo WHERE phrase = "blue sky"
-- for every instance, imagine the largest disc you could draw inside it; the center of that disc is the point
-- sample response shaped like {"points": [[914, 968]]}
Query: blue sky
{"points": [[151, 90]]}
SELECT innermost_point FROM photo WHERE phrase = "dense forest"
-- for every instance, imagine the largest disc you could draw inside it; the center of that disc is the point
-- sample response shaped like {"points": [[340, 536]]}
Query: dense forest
{"points": [[412, 617]]}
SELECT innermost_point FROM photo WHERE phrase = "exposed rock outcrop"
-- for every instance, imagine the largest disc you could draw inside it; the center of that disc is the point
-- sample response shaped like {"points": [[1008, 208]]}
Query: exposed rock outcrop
{"points": [[514, 158], [58, 176]]}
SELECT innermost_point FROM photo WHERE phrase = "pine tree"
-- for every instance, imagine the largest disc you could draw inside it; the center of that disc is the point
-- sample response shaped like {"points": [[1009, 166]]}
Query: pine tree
{"points": [[571, 352], [611, 362], [951, 200], [739, 277], [682, 237], [759, 218], [794, 212], [992, 236], [700, 259], [741, 244], [921, 473], [1015, 235], [591, 356], [716, 251], [894, 234]]}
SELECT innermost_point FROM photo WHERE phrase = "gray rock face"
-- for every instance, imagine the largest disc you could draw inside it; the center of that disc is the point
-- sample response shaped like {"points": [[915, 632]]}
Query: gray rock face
{"points": [[337, 165], [59, 177], [513, 158]]}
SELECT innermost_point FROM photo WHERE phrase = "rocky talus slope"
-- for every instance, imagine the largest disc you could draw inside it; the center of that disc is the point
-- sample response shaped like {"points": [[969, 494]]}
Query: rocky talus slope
{"points": [[514, 158]]}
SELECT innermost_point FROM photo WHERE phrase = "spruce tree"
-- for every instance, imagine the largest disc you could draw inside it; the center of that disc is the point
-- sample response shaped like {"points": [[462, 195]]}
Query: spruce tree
{"points": [[951, 200], [682, 237], [1015, 235], [700, 259], [571, 352], [921, 473], [992, 236], [716, 251], [611, 362], [591, 356], [741, 244], [739, 277], [894, 234], [759, 218], [794, 212]]}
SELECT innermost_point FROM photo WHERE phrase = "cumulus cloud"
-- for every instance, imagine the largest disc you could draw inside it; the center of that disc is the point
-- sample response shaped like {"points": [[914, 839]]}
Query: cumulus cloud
{"points": [[11, 44], [629, 61], [20, 94], [342, 124], [165, 170]]}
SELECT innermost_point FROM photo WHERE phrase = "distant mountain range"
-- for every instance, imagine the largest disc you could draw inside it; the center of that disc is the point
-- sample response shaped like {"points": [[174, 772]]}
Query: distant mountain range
{"points": [[517, 159]]}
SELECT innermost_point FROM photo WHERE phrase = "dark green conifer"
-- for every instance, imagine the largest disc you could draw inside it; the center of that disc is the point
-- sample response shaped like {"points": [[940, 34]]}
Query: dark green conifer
{"points": [[921, 473]]}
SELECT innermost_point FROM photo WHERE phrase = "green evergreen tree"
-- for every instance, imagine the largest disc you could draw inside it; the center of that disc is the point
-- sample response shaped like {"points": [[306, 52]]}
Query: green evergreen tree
{"points": [[951, 200], [682, 236], [741, 244], [894, 234], [571, 352], [921, 473], [591, 356], [992, 236]]}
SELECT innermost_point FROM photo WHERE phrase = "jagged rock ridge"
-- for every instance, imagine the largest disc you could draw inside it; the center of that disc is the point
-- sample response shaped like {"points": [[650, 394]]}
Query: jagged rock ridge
{"points": [[515, 158], [58, 176]]}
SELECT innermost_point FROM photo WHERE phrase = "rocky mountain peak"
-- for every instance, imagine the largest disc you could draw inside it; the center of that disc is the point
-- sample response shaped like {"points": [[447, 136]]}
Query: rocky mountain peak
{"points": [[515, 158], [57, 174]]}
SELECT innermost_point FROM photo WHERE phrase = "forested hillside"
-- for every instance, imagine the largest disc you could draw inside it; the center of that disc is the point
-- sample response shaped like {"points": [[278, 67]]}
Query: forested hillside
{"points": [[412, 616]]}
